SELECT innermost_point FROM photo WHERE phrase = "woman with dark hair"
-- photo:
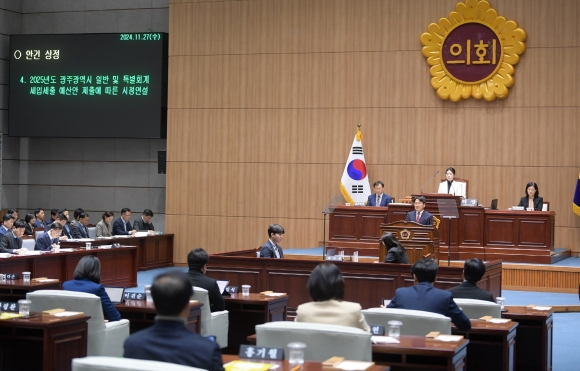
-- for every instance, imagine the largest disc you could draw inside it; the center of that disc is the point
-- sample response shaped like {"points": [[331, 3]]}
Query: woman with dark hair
{"points": [[326, 287], [105, 227], [450, 186], [532, 199], [396, 253], [29, 219], [87, 278]]}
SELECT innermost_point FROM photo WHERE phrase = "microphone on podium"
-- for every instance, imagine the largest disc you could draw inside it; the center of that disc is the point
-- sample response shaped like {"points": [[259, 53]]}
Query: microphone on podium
{"points": [[429, 181]]}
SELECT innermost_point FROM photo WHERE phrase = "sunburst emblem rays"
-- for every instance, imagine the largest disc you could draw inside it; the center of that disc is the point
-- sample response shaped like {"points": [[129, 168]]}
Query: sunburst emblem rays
{"points": [[472, 53]]}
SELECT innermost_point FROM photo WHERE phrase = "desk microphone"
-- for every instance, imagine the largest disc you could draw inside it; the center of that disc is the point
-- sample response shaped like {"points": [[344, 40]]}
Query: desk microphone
{"points": [[429, 181]]}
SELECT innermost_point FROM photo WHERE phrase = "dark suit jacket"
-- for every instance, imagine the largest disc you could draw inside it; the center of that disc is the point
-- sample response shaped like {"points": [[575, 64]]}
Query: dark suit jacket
{"points": [[469, 290], [39, 224], [394, 256], [423, 296], [216, 300], [170, 341], [385, 200], [140, 225], [267, 250], [538, 203], [67, 231], [3, 230], [109, 310], [28, 230], [426, 217], [8, 243], [119, 230], [79, 231], [44, 242]]}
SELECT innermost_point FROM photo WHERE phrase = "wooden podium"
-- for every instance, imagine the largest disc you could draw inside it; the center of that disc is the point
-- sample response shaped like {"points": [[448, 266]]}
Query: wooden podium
{"points": [[418, 240]]}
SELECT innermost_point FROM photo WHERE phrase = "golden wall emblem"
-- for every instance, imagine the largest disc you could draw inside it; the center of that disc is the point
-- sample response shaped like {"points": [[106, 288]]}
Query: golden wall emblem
{"points": [[472, 53]]}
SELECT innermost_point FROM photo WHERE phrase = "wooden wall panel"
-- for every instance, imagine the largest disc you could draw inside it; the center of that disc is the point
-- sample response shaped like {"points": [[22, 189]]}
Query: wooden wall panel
{"points": [[332, 80], [264, 97], [287, 26]]}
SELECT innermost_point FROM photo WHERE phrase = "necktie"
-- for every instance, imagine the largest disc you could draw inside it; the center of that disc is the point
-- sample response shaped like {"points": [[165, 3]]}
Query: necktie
{"points": [[378, 201], [125, 225], [276, 251], [418, 217]]}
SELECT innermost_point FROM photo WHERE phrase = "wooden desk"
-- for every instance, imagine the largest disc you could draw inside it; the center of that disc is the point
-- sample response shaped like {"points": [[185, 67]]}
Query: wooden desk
{"points": [[308, 365], [118, 266], [245, 312], [515, 236], [534, 341], [416, 353], [366, 283], [491, 345], [42, 343], [152, 251], [14, 290], [141, 314]]}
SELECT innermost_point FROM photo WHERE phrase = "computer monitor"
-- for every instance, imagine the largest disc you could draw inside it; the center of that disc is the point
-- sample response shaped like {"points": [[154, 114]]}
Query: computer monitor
{"points": [[494, 204], [115, 294]]}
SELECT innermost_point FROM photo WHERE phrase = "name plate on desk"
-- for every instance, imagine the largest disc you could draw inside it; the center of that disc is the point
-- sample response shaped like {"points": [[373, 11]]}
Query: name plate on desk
{"points": [[254, 352], [10, 276], [519, 208], [8, 307], [469, 202], [231, 289], [337, 258], [134, 296], [377, 330]]}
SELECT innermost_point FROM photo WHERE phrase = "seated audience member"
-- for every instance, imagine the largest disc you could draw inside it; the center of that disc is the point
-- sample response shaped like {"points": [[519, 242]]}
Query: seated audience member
{"points": [[423, 296], [326, 287], [144, 222], [79, 228], [14, 213], [65, 213], [76, 215], [168, 340], [197, 261], [7, 222], [30, 220], [379, 198], [48, 240], [420, 215], [122, 226], [11, 242], [53, 214], [105, 226], [87, 278], [532, 199], [39, 216], [66, 228], [270, 249], [396, 253], [473, 270]]}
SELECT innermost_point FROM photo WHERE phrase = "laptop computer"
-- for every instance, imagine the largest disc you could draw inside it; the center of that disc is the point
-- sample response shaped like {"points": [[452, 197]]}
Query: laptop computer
{"points": [[494, 204], [222, 286], [115, 294]]}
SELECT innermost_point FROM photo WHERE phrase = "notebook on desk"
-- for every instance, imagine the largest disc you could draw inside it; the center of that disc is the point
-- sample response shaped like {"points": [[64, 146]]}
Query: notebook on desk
{"points": [[115, 294]]}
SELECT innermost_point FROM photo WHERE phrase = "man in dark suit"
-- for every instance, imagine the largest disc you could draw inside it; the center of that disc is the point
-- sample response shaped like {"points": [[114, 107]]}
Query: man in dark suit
{"points": [[423, 296], [66, 228], [144, 222], [11, 242], [122, 226], [379, 198], [79, 228], [168, 340], [473, 270], [48, 240], [7, 223], [270, 248], [39, 216], [420, 215], [197, 260]]}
